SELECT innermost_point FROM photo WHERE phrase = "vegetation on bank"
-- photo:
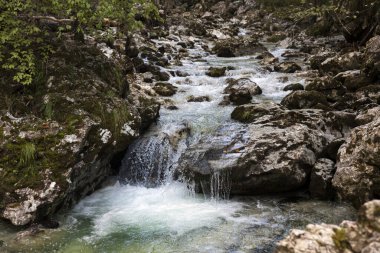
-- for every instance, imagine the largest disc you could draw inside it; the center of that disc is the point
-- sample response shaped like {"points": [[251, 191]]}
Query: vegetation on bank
{"points": [[28, 28]]}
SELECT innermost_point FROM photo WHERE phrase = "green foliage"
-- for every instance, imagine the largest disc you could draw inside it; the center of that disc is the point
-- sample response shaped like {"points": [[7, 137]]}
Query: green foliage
{"points": [[340, 239], [27, 154], [48, 110], [25, 36]]}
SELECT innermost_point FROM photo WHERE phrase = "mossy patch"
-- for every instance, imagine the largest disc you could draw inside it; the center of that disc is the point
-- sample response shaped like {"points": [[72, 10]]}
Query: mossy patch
{"points": [[340, 239]]}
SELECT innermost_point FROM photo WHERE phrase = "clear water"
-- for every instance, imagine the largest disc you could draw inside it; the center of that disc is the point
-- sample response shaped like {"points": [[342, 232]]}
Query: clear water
{"points": [[171, 217]]}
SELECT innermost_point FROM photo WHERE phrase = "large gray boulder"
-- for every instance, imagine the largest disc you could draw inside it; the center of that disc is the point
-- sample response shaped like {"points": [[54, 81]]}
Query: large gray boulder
{"points": [[275, 153], [357, 178], [241, 90]]}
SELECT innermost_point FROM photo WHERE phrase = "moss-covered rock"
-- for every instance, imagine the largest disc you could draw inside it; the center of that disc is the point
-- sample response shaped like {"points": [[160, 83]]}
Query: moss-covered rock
{"points": [[216, 72], [165, 89], [56, 146]]}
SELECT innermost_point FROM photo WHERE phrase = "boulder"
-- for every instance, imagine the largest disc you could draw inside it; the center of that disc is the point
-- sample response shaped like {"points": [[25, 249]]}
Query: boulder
{"points": [[249, 113], [198, 99], [340, 63], [357, 178], [305, 99], [241, 90], [238, 47], [293, 87], [216, 72], [367, 116], [362, 236], [275, 153], [330, 87], [320, 179], [372, 58], [287, 67], [267, 58], [353, 79], [165, 89]]}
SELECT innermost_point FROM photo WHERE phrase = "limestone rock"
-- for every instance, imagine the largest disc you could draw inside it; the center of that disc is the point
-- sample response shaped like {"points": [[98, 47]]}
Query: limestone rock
{"points": [[238, 47], [339, 63], [52, 160], [216, 72], [351, 237], [293, 87], [305, 99], [165, 89], [241, 90], [357, 178], [273, 154], [287, 67]]}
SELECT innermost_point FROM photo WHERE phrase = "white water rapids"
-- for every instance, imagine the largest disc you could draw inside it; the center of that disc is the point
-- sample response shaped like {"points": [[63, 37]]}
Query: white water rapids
{"points": [[170, 217]]}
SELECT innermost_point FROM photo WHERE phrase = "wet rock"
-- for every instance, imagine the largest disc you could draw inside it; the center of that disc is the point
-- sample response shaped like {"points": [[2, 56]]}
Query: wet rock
{"points": [[165, 89], [357, 178], [287, 67], [241, 90], [162, 76], [273, 154], [238, 47], [305, 99], [330, 87], [372, 58], [293, 87], [309, 240], [353, 79], [249, 113], [351, 237], [216, 72], [198, 99], [267, 58], [320, 179], [339, 63]]}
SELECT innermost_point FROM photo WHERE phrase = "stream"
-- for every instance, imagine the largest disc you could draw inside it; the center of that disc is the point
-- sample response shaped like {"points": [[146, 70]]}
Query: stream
{"points": [[149, 211]]}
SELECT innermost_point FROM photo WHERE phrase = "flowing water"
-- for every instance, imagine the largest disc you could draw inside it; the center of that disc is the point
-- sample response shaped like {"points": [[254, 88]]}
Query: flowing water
{"points": [[148, 211]]}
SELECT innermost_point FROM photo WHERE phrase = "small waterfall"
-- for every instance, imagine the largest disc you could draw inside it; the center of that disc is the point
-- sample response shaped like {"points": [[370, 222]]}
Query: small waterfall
{"points": [[151, 161], [216, 186], [220, 184]]}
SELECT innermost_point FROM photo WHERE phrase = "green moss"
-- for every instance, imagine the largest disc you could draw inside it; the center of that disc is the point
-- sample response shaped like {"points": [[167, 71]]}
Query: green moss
{"points": [[340, 239], [27, 154]]}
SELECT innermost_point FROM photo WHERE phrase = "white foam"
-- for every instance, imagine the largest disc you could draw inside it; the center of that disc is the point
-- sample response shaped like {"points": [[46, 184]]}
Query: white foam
{"points": [[169, 209]]}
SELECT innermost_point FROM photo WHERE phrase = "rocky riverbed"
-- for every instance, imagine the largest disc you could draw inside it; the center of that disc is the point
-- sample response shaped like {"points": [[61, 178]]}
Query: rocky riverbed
{"points": [[214, 106]]}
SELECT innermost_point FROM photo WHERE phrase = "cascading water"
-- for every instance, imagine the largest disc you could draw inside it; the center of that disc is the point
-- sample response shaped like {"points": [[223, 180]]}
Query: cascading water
{"points": [[149, 211]]}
